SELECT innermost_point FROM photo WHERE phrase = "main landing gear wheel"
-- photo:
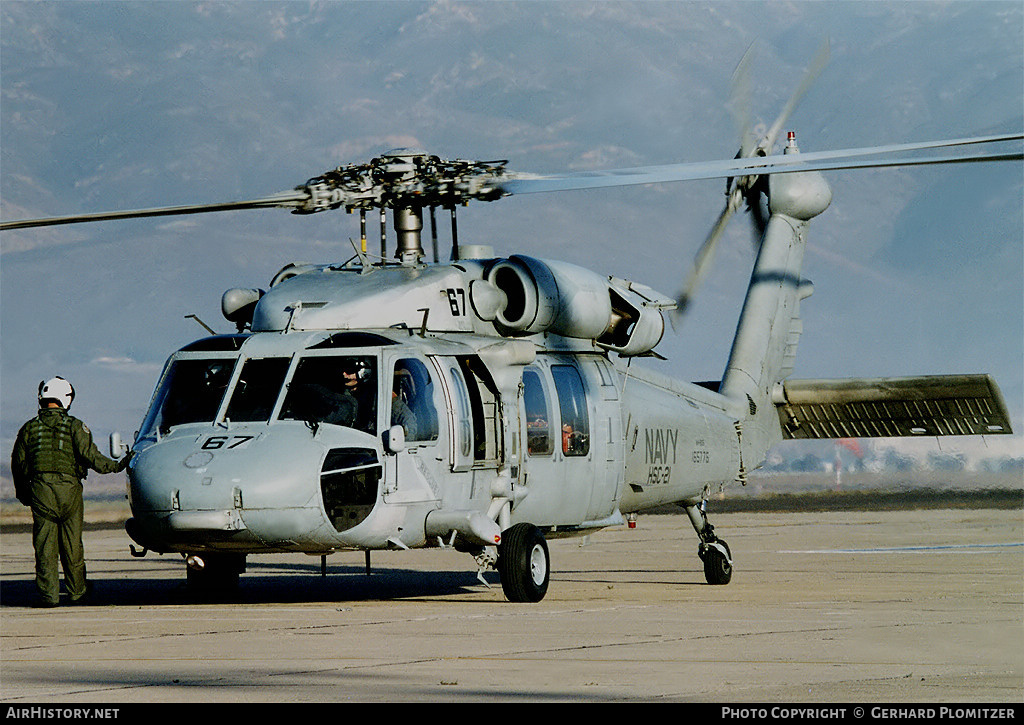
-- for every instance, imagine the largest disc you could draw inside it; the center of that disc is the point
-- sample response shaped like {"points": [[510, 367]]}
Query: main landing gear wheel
{"points": [[523, 563], [717, 563]]}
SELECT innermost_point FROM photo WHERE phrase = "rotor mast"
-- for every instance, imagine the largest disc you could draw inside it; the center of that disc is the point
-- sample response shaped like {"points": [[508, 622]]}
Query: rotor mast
{"points": [[399, 169], [408, 226]]}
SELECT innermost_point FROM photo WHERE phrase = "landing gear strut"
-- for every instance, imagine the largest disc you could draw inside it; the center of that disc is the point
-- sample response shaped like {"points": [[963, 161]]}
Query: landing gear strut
{"points": [[712, 551]]}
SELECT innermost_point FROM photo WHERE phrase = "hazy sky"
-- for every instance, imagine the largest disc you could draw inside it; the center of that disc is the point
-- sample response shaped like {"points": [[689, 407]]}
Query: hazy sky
{"points": [[116, 105]]}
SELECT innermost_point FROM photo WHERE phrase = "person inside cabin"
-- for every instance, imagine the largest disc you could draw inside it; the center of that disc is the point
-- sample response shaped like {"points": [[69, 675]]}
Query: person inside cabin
{"points": [[403, 396]]}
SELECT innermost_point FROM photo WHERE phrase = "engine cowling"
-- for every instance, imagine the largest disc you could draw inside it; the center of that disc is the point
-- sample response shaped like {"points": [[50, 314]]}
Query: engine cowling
{"points": [[545, 296], [638, 325], [564, 299]]}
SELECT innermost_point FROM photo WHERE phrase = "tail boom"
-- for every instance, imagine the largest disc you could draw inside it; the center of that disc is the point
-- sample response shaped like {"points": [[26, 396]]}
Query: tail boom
{"points": [[765, 343]]}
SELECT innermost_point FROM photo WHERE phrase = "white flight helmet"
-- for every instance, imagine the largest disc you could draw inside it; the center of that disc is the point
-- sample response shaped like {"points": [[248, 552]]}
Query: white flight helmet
{"points": [[57, 389]]}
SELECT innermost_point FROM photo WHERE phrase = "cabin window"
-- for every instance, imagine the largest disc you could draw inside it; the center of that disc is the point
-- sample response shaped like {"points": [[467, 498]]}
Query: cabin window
{"points": [[191, 392], [572, 402], [538, 422], [336, 390], [257, 388], [412, 401]]}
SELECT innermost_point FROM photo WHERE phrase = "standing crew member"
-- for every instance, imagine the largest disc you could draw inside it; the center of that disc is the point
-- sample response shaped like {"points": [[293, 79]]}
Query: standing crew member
{"points": [[52, 454]]}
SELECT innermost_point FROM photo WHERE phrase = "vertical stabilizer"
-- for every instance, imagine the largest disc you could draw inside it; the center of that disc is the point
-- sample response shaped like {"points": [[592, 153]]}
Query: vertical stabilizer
{"points": [[769, 327]]}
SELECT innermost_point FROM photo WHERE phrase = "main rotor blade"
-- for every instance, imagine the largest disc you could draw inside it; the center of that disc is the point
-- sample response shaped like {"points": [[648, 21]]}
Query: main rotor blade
{"points": [[777, 164], [462, 185], [285, 199]]}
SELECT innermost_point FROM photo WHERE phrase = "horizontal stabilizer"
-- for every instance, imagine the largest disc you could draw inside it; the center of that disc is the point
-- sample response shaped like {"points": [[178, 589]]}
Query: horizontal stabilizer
{"points": [[932, 405]]}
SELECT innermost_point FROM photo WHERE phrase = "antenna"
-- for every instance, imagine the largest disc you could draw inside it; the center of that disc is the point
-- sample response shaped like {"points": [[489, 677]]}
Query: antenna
{"points": [[205, 326]]}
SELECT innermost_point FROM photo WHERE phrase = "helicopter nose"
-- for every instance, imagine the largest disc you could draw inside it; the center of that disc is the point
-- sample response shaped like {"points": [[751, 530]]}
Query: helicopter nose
{"points": [[248, 486]]}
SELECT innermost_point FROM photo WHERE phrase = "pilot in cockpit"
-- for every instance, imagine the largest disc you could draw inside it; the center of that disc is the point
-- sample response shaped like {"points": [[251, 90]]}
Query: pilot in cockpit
{"points": [[358, 379]]}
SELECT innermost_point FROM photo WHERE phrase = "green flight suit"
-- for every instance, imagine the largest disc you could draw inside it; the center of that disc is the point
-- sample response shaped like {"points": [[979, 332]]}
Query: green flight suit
{"points": [[52, 454]]}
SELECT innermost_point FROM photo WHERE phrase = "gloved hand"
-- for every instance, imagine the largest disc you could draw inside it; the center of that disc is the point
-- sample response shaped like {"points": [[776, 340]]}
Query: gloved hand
{"points": [[24, 493], [122, 463]]}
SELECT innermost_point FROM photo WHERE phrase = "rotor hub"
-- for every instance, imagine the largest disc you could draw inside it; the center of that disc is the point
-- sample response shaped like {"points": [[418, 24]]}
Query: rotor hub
{"points": [[404, 179]]}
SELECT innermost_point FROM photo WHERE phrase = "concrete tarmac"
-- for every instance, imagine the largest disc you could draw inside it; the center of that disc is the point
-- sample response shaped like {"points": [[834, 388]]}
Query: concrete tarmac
{"points": [[880, 607]]}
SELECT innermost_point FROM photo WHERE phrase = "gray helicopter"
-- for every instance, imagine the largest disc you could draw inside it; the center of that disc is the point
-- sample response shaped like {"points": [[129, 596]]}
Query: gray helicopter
{"points": [[488, 404]]}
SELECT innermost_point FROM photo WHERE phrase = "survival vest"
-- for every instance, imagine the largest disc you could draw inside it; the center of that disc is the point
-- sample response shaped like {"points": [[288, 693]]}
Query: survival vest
{"points": [[50, 446]]}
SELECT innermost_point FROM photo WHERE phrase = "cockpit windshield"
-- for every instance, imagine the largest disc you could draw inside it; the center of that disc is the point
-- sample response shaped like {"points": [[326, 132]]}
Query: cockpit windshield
{"points": [[332, 389], [257, 389], [338, 390], [191, 392]]}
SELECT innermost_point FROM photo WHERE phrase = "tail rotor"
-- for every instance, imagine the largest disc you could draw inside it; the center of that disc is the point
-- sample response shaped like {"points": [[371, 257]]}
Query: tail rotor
{"points": [[746, 190]]}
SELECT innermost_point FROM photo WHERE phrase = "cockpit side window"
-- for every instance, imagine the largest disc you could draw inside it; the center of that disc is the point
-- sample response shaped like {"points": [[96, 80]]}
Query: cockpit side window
{"points": [[412, 400], [191, 392], [257, 388], [336, 389]]}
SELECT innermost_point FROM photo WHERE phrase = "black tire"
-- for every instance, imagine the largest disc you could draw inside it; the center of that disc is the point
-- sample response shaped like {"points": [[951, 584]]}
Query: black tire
{"points": [[523, 563], [717, 568]]}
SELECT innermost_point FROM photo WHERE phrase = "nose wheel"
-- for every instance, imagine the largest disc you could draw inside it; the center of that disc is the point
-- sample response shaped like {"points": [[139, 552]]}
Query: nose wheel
{"points": [[523, 563]]}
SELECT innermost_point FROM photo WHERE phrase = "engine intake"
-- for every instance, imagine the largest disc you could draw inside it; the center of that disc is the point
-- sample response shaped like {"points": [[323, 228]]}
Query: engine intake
{"points": [[563, 299]]}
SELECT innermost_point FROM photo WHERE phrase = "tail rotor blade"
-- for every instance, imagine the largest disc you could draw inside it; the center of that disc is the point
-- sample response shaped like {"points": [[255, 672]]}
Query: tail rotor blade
{"points": [[740, 105], [747, 187], [705, 256], [813, 71]]}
